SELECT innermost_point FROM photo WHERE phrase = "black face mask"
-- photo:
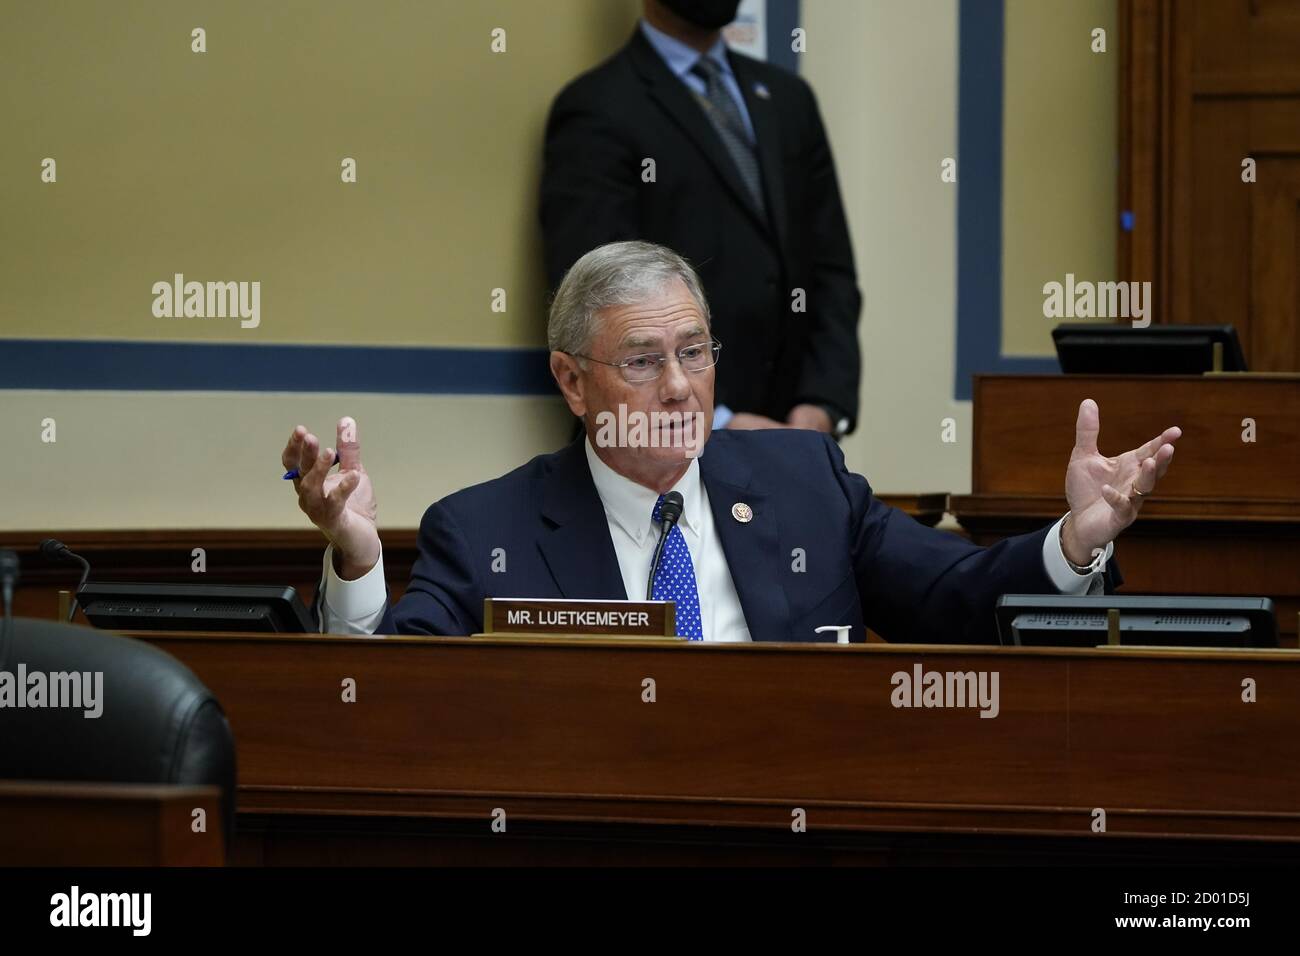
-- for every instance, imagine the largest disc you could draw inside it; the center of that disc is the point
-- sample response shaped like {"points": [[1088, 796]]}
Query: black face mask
{"points": [[709, 14]]}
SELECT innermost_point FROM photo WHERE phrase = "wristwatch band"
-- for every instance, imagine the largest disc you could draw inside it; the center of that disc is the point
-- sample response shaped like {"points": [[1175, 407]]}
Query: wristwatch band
{"points": [[1097, 558]]}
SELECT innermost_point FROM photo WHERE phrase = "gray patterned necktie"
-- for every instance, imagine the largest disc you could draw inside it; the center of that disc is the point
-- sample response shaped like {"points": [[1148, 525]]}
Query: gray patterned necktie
{"points": [[724, 113]]}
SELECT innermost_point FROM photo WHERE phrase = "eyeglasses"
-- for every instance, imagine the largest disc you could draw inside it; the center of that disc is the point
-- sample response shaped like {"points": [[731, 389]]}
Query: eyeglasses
{"points": [[639, 369]]}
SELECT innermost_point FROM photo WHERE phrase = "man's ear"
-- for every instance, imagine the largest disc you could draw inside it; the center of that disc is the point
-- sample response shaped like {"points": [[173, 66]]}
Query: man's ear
{"points": [[568, 376]]}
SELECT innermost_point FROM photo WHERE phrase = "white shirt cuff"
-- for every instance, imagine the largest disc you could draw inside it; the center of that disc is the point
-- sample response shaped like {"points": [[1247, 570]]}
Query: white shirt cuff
{"points": [[352, 607], [721, 415], [1064, 577]]}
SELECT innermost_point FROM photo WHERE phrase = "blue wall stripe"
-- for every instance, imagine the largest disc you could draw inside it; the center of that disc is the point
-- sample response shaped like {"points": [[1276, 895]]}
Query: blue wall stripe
{"points": [[979, 199], [782, 17], [190, 366]]}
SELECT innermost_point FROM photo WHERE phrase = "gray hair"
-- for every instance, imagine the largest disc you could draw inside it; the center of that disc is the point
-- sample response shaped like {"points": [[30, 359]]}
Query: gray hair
{"points": [[617, 273]]}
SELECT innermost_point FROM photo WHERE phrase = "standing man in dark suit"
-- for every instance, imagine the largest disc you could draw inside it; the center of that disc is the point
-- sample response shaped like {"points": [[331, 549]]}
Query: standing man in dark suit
{"points": [[679, 141]]}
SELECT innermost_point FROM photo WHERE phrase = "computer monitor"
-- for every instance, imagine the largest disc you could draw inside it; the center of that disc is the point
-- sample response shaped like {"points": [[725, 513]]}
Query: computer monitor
{"points": [[1055, 620], [194, 607], [1094, 349]]}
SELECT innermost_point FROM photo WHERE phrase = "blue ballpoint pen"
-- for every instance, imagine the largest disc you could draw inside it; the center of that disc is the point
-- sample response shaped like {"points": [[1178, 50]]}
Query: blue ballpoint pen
{"points": [[293, 473]]}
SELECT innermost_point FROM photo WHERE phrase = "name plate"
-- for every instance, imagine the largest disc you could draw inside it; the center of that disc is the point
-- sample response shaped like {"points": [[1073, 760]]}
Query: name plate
{"points": [[645, 619]]}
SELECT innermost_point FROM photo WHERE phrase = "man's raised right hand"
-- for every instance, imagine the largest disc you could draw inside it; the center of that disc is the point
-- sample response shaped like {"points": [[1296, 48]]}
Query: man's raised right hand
{"points": [[343, 504]]}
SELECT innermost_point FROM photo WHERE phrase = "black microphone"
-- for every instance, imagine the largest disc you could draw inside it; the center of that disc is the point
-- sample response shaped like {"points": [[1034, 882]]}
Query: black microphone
{"points": [[670, 512], [55, 550], [8, 581]]}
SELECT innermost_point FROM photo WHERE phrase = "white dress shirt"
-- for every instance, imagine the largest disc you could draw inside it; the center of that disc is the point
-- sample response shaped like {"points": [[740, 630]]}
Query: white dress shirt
{"points": [[357, 607], [628, 507]]}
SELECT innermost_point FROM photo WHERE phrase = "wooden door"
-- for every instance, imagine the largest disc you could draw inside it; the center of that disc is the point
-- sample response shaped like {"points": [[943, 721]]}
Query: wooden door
{"points": [[1205, 86]]}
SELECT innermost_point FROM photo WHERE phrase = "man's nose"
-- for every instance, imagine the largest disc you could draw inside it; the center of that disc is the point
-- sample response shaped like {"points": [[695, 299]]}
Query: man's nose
{"points": [[674, 386]]}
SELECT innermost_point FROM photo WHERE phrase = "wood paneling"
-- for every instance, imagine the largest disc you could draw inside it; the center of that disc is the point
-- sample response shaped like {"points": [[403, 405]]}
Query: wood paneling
{"points": [[555, 733], [1205, 85], [1226, 517], [1024, 431], [108, 824], [1143, 145]]}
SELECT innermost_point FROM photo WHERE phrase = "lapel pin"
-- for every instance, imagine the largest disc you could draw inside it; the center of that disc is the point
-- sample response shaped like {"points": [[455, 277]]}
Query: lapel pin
{"points": [[742, 512], [761, 92]]}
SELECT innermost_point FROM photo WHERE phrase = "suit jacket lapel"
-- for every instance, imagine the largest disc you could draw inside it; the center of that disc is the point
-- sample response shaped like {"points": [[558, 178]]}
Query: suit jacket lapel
{"points": [[578, 549], [767, 132], [676, 100], [580, 553], [751, 547]]}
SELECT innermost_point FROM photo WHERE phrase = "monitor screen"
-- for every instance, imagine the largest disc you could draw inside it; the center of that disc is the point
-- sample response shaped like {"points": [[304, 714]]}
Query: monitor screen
{"points": [[194, 607], [1053, 620], [1094, 349]]}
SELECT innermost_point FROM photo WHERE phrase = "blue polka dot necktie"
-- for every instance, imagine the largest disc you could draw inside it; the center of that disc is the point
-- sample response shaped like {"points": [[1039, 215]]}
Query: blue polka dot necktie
{"points": [[675, 581]]}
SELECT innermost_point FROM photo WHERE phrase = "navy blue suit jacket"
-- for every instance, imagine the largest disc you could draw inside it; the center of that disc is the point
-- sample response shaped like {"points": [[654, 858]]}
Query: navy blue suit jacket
{"points": [[866, 563]]}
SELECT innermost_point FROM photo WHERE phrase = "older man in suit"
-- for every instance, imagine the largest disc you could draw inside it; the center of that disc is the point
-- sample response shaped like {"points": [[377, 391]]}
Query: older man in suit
{"points": [[776, 539], [742, 184]]}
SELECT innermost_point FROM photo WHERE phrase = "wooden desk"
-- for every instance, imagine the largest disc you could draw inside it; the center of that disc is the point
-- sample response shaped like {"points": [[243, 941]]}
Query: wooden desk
{"points": [[555, 733], [107, 824], [1226, 518]]}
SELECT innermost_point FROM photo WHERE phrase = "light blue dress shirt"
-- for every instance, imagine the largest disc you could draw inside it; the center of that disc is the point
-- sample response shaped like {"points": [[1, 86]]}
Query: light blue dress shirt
{"points": [[680, 58]]}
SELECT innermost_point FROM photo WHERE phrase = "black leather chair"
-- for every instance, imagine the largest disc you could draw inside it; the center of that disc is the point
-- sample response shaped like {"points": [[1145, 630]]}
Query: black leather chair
{"points": [[159, 723]]}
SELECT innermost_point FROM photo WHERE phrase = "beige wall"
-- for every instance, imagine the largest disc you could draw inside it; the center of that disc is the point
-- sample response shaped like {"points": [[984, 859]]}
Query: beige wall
{"points": [[886, 77], [225, 165], [227, 168], [1059, 161], [212, 459]]}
